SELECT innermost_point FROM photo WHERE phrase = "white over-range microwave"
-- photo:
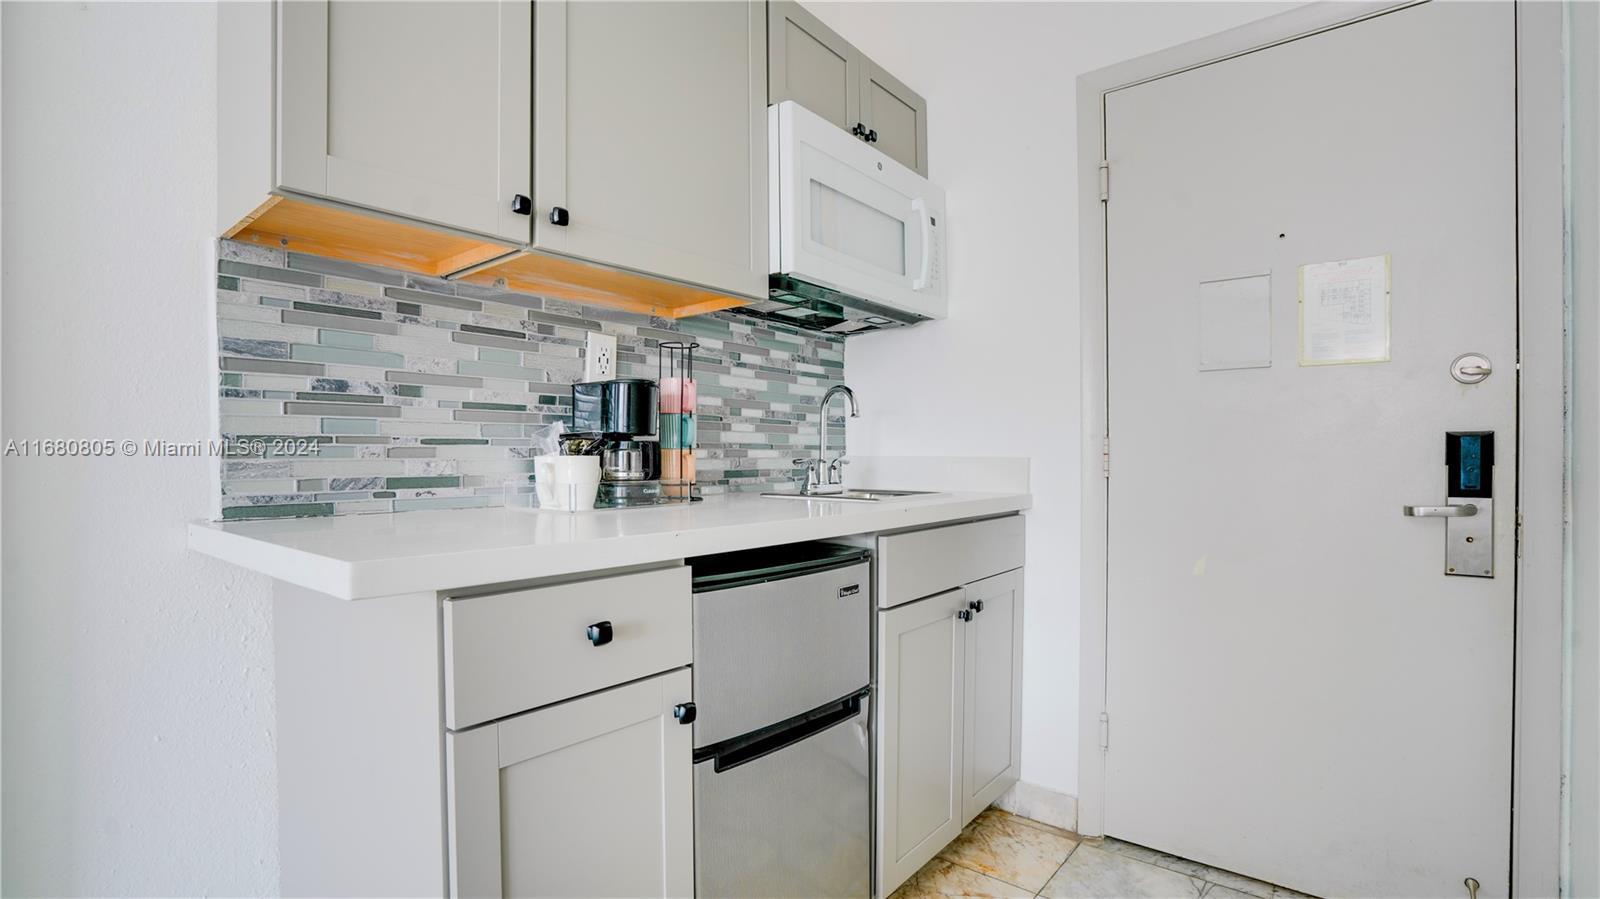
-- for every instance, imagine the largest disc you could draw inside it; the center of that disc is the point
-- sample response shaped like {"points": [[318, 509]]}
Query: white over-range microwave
{"points": [[856, 237]]}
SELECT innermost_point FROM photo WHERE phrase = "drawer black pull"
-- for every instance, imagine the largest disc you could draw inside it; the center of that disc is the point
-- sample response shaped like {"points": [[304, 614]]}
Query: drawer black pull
{"points": [[684, 712], [976, 605], [964, 614], [522, 204], [599, 633], [558, 216]]}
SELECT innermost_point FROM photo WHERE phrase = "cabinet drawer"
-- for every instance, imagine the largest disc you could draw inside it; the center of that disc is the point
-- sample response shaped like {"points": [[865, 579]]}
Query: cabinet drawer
{"points": [[921, 563], [509, 652]]}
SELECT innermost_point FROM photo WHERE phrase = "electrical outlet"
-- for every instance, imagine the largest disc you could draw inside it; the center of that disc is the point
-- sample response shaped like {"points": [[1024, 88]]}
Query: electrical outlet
{"points": [[600, 357]]}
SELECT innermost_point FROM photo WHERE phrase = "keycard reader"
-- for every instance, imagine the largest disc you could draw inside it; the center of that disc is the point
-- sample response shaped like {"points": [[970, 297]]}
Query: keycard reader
{"points": [[1469, 504]]}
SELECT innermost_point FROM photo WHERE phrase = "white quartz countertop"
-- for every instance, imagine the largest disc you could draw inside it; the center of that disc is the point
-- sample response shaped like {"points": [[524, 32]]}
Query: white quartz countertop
{"points": [[364, 556]]}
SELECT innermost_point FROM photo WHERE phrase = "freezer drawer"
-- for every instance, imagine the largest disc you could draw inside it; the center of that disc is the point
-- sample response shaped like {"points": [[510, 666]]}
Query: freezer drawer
{"points": [[766, 652], [792, 822]]}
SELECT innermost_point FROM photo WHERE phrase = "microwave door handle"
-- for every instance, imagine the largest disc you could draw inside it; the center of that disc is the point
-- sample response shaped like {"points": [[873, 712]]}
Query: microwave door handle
{"points": [[927, 243]]}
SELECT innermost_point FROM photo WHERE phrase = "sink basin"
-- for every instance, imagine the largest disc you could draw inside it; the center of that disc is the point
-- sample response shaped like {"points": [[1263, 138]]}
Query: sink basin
{"points": [[854, 496]]}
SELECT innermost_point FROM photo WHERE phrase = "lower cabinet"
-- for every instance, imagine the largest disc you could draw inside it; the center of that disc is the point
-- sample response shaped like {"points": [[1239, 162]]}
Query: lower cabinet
{"points": [[950, 716], [921, 690], [591, 797], [992, 711]]}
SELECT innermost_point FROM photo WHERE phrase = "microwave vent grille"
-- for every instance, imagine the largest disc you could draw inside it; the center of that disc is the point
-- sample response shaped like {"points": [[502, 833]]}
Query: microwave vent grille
{"points": [[814, 307]]}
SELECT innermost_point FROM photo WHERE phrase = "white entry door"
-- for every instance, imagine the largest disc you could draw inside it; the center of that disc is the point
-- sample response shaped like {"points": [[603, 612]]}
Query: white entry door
{"points": [[1296, 688]]}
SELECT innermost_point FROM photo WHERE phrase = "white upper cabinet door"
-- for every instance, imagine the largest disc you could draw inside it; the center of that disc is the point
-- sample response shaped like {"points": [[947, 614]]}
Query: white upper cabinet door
{"points": [[811, 64], [592, 797], [920, 681], [652, 138], [992, 727], [419, 109], [896, 118]]}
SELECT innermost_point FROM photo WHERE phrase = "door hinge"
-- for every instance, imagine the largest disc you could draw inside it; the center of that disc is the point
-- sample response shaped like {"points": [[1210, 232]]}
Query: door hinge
{"points": [[1105, 732], [1105, 180], [1105, 456]]}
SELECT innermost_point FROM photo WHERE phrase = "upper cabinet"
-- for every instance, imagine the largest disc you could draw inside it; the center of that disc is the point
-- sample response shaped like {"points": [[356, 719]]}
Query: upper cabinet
{"points": [[808, 62], [650, 146], [811, 64], [416, 109], [896, 118], [608, 153]]}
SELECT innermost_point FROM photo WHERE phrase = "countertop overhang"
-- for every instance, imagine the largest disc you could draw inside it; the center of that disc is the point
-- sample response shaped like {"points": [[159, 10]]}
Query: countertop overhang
{"points": [[367, 556]]}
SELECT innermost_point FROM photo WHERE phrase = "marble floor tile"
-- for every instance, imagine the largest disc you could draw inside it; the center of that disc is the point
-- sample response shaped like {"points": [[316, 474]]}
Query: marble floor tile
{"points": [[1003, 846], [1237, 882], [1093, 872], [1040, 825], [939, 878]]}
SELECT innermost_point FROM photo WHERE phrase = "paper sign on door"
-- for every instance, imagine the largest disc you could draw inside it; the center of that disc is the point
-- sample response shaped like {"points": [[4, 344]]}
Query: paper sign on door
{"points": [[1344, 311], [1236, 323]]}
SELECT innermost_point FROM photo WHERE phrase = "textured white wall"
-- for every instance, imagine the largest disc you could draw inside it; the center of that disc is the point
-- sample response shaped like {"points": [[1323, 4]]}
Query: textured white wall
{"points": [[1000, 377], [137, 676]]}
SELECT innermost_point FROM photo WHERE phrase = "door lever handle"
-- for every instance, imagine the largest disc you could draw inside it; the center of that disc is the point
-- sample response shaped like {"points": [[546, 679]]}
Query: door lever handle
{"points": [[1465, 510]]}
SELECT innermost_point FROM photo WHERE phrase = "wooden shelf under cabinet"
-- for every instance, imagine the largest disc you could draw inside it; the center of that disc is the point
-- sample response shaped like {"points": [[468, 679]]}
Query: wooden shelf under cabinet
{"points": [[321, 229], [302, 226], [583, 282]]}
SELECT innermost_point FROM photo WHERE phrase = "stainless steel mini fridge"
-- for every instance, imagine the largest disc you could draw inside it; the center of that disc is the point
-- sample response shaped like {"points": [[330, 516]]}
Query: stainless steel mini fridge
{"points": [[782, 662]]}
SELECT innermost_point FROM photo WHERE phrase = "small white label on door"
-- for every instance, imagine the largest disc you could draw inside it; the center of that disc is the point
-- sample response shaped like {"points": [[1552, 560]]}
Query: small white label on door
{"points": [[1344, 311], [1236, 323]]}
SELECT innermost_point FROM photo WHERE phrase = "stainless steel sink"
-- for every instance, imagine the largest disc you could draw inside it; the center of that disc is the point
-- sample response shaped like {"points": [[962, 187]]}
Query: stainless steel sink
{"points": [[854, 496]]}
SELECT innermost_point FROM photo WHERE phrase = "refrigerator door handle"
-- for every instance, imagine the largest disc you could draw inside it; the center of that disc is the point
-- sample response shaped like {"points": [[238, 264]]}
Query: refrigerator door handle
{"points": [[742, 750]]}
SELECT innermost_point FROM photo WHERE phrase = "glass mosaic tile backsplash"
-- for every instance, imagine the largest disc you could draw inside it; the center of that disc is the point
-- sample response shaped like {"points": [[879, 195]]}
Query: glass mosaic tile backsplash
{"points": [[382, 391]]}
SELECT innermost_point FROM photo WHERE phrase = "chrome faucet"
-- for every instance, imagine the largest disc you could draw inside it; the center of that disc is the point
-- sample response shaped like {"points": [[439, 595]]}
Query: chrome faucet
{"points": [[823, 476]]}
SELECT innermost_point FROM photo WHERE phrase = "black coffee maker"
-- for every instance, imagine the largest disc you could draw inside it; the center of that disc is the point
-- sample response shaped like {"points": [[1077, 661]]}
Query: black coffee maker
{"points": [[616, 420]]}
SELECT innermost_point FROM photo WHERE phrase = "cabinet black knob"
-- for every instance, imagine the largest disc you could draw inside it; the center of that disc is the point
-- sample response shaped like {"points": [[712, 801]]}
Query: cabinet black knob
{"points": [[558, 216], [859, 130], [964, 614], [976, 605], [522, 204], [872, 137], [684, 712], [599, 633]]}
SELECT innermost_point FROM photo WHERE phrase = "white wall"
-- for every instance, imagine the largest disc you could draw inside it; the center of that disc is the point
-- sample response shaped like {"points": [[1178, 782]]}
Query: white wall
{"points": [[1000, 377], [137, 676]]}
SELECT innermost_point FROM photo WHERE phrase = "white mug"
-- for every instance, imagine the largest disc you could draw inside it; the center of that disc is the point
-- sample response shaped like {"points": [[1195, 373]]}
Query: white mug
{"points": [[567, 483]]}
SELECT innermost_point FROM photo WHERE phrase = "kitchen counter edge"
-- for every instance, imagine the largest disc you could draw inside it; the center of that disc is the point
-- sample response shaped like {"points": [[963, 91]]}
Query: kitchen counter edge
{"points": [[278, 553]]}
